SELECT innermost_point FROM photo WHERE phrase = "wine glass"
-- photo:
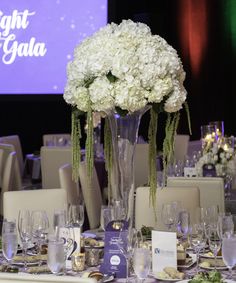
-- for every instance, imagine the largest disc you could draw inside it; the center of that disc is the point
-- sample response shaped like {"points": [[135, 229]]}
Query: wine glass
{"points": [[142, 263], [169, 215], [198, 240], [25, 231], [107, 215], [225, 225], [126, 243], [184, 223], [9, 240], [40, 226], [59, 220], [229, 252], [214, 241], [76, 215]]}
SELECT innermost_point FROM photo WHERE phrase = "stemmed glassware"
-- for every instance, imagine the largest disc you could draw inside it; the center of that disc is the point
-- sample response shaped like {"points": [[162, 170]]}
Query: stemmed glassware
{"points": [[59, 220], [107, 215], [184, 223], [225, 225], [76, 215], [141, 262], [229, 252], [40, 226], [9, 240], [169, 215], [25, 231], [198, 240], [214, 240]]}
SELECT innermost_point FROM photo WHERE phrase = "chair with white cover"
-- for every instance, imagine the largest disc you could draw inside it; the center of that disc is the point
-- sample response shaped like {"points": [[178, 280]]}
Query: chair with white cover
{"points": [[48, 200], [15, 141], [66, 182], [7, 177], [92, 196], [56, 139], [52, 158], [189, 197], [211, 189], [141, 167], [181, 147]]}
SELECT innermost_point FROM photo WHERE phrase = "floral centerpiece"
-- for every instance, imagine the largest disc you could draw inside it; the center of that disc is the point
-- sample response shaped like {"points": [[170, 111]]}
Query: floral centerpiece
{"points": [[123, 68], [223, 158]]}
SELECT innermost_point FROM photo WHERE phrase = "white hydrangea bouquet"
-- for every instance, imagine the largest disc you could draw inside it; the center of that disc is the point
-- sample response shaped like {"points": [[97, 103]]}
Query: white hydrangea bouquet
{"points": [[123, 68], [222, 158]]}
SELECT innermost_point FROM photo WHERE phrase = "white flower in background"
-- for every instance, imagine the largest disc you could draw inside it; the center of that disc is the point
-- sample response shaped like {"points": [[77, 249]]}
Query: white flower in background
{"points": [[125, 66]]}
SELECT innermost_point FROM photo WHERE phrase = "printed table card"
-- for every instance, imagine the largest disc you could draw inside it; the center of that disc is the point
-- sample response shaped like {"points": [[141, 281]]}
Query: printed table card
{"points": [[115, 246], [71, 238], [164, 250]]}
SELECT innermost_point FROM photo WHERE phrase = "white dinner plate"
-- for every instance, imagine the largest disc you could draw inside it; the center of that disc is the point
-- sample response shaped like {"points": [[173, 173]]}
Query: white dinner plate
{"points": [[168, 279], [205, 255], [212, 267], [190, 263], [89, 235]]}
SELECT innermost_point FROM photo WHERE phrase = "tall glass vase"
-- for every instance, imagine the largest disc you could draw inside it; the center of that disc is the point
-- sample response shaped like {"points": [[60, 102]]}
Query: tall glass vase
{"points": [[124, 131]]}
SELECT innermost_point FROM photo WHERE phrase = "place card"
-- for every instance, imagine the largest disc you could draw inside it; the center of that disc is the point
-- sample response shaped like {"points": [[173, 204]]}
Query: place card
{"points": [[115, 241], [190, 172], [164, 250]]}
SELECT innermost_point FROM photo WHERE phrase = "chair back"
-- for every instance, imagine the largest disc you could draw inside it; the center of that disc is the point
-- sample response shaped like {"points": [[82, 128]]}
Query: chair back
{"points": [[92, 196], [181, 147], [48, 200], [52, 158], [15, 141], [211, 189], [17, 179], [56, 139], [72, 188], [188, 197]]}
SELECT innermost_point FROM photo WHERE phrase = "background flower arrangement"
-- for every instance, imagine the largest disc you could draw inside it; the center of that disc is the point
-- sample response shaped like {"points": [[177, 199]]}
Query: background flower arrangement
{"points": [[123, 68], [222, 157]]}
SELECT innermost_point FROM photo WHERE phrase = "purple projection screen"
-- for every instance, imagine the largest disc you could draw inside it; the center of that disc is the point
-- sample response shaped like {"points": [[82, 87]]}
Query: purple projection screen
{"points": [[37, 40]]}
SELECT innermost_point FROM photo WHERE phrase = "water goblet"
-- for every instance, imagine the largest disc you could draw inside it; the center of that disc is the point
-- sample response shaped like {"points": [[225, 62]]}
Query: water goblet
{"points": [[142, 263], [9, 240], [56, 255], [25, 231], [225, 225], [229, 252]]}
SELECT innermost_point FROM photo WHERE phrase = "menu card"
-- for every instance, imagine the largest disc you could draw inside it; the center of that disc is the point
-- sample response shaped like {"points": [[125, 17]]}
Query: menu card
{"points": [[115, 241], [164, 250]]}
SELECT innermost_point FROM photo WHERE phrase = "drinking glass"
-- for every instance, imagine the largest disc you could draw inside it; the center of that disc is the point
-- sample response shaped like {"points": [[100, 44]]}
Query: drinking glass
{"points": [[56, 255], [107, 215], [126, 243], [184, 223], [76, 215], [225, 225], [214, 241], [9, 240], [198, 240], [229, 252], [40, 226], [25, 231], [169, 215], [142, 263], [59, 220], [119, 210]]}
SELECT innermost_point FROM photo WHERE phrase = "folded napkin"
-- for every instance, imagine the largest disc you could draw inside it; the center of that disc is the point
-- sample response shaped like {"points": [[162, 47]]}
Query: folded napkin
{"points": [[29, 258], [38, 269]]}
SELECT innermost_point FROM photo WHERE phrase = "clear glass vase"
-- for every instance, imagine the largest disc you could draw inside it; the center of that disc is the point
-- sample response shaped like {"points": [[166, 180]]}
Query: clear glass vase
{"points": [[124, 131]]}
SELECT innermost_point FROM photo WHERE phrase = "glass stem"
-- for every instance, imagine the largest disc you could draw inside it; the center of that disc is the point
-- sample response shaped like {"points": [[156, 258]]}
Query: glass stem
{"points": [[24, 246]]}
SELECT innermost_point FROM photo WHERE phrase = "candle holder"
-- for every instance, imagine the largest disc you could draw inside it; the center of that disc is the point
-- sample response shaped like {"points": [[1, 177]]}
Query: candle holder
{"points": [[208, 136], [78, 262], [219, 128]]}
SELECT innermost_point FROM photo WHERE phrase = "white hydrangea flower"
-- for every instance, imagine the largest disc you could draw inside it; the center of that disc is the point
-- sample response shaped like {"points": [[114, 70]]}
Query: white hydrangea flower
{"points": [[145, 69]]}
